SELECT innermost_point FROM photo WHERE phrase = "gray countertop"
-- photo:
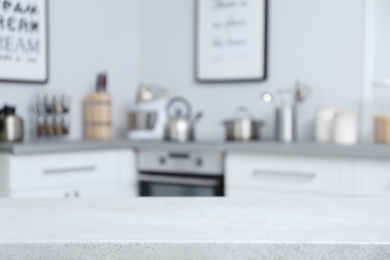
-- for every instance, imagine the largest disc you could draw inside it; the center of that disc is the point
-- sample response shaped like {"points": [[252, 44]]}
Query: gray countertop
{"points": [[302, 148], [207, 228]]}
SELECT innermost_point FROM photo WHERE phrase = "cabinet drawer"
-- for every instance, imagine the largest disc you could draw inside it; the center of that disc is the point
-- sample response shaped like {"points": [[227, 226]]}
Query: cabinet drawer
{"points": [[288, 173], [38, 171]]}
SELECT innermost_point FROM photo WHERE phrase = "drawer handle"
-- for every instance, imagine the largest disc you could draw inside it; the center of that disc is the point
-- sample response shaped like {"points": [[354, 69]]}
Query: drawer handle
{"points": [[285, 175], [70, 170]]}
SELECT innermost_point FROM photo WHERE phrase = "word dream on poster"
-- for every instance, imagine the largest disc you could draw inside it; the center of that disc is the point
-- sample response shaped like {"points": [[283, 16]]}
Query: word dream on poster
{"points": [[19, 31]]}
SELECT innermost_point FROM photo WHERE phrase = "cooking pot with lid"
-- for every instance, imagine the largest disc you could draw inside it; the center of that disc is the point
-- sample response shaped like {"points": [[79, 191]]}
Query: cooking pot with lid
{"points": [[243, 127]]}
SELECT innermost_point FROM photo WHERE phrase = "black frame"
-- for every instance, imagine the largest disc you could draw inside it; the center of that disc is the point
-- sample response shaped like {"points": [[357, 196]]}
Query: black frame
{"points": [[46, 2], [196, 48]]}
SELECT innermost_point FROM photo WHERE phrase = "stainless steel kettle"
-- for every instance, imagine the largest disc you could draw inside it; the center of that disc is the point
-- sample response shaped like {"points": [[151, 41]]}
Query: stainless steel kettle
{"points": [[180, 124], [11, 126]]}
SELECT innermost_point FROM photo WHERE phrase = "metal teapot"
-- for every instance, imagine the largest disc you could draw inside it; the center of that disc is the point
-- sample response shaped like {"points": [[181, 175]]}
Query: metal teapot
{"points": [[180, 124], [11, 126]]}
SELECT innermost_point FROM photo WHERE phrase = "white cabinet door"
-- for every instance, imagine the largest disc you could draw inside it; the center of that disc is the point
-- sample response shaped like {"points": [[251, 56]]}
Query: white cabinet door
{"points": [[372, 178], [288, 174], [128, 186]]}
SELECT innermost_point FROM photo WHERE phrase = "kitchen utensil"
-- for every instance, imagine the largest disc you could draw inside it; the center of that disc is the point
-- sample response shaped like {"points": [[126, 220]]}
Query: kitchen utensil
{"points": [[150, 121], [98, 112], [11, 126], [142, 120], [242, 127], [286, 102], [150, 92], [345, 128], [302, 92], [180, 124], [324, 124], [286, 124]]}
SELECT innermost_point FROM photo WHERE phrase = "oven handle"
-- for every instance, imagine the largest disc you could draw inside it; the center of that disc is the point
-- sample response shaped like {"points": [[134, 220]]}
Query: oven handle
{"points": [[179, 180]]}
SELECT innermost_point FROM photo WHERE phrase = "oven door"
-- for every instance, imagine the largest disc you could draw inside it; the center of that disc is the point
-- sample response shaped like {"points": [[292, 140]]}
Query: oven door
{"points": [[179, 185]]}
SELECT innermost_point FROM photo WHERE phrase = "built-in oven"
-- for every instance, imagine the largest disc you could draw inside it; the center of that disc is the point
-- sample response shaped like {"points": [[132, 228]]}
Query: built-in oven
{"points": [[181, 174]]}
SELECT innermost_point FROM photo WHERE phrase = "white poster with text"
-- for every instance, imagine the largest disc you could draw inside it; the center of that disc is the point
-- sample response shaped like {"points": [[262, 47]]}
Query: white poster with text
{"points": [[231, 40], [23, 41]]}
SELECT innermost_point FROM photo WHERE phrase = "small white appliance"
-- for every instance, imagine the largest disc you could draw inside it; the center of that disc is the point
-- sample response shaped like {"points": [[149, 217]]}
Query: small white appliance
{"points": [[151, 98]]}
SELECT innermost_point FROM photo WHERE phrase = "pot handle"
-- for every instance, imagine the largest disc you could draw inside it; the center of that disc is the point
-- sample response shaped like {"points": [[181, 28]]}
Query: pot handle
{"points": [[181, 100]]}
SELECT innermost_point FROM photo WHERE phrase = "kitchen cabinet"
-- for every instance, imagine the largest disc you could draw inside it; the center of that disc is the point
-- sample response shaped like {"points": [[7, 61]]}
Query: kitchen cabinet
{"points": [[252, 175], [74, 174], [372, 178], [51, 170]]}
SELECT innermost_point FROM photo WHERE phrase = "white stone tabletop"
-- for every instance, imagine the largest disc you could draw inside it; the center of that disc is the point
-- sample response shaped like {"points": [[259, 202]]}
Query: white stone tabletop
{"points": [[195, 228]]}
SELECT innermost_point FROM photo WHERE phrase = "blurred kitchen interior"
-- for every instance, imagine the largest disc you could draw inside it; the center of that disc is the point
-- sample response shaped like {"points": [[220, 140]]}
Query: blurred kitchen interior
{"points": [[141, 113]]}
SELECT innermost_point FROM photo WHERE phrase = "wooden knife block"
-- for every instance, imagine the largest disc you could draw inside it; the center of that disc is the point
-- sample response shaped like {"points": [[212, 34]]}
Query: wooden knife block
{"points": [[98, 116], [382, 129]]}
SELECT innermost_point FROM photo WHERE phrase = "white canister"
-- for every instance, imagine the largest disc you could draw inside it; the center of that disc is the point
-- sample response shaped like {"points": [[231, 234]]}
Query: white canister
{"points": [[345, 129], [324, 124]]}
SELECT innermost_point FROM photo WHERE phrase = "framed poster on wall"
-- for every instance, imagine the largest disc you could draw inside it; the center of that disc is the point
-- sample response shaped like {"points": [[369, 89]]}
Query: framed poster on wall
{"points": [[231, 40], [23, 41]]}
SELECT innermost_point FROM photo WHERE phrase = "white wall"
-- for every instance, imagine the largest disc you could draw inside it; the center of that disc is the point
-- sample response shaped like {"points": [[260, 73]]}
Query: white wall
{"points": [[382, 40], [319, 42], [87, 37]]}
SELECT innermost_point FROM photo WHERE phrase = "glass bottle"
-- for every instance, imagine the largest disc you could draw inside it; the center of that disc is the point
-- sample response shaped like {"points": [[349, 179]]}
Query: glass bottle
{"points": [[49, 126], [48, 101], [57, 104], [65, 125], [58, 126], [41, 126], [65, 100]]}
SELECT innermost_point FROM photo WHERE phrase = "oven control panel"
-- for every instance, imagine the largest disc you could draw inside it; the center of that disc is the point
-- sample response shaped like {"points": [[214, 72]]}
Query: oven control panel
{"points": [[206, 163]]}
